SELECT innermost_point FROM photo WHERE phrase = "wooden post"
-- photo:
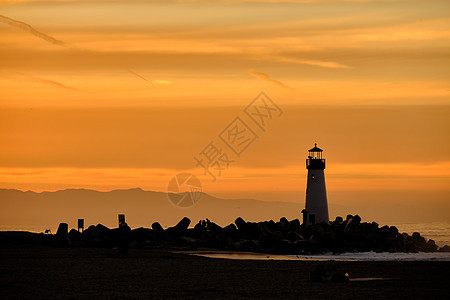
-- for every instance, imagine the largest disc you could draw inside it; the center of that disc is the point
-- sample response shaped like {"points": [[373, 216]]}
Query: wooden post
{"points": [[121, 219], [80, 225]]}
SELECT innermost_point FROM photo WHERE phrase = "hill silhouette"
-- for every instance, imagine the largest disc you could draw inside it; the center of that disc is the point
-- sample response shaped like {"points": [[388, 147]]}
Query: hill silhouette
{"points": [[141, 208]]}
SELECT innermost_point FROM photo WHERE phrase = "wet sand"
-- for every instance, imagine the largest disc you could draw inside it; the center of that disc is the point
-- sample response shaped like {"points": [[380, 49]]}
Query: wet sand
{"points": [[30, 272], [253, 256]]}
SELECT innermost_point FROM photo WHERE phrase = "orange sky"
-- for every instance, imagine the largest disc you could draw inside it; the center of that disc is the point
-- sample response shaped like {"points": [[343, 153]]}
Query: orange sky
{"points": [[122, 94]]}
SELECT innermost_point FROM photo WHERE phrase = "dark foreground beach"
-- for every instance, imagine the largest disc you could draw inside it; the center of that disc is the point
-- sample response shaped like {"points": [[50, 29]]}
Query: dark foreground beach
{"points": [[30, 272]]}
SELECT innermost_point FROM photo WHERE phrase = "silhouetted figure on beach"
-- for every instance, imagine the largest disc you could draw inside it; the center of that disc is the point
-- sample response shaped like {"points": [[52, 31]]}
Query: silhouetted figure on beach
{"points": [[320, 275], [124, 237]]}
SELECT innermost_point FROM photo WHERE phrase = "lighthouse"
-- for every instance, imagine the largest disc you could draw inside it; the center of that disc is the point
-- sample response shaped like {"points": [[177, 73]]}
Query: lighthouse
{"points": [[316, 206]]}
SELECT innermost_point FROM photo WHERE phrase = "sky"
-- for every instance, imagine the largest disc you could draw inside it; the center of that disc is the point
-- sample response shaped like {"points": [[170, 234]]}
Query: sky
{"points": [[121, 94]]}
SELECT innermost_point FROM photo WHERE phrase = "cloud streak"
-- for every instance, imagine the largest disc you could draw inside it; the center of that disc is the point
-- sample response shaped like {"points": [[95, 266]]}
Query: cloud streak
{"points": [[27, 27], [138, 75], [51, 82], [318, 63], [265, 77]]}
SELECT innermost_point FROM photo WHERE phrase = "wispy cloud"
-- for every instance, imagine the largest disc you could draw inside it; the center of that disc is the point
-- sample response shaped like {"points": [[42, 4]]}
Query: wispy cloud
{"points": [[265, 77], [22, 76], [30, 29], [319, 63], [384, 176], [50, 39], [52, 82], [138, 75], [156, 81]]}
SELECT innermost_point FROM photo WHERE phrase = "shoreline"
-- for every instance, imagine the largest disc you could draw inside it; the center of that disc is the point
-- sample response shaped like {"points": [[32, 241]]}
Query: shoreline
{"points": [[340, 257]]}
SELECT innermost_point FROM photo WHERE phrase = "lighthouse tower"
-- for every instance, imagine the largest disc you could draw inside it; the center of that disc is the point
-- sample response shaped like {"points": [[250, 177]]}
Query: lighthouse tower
{"points": [[316, 206]]}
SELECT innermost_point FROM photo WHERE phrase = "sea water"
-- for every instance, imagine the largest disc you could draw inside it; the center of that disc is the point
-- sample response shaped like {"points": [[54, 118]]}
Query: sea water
{"points": [[438, 231]]}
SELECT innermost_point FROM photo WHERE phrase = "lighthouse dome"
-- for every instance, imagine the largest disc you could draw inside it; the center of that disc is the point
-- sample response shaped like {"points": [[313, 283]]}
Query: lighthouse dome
{"points": [[315, 149]]}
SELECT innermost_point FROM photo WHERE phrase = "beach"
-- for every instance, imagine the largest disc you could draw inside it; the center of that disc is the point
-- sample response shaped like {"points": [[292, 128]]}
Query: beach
{"points": [[38, 272]]}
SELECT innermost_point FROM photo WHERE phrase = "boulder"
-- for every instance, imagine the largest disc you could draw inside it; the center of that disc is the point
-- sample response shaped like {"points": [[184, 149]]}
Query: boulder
{"points": [[419, 241], [294, 225], [142, 234], [213, 227], [284, 220], [74, 233], [431, 245], [157, 227], [63, 229], [176, 231], [62, 235], [416, 236], [200, 226], [100, 230], [247, 245], [319, 229], [183, 224], [240, 223], [394, 230], [230, 229], [283, 224], [294, 236], [338, 220], [74, 237], [285, 237], [446, 248], [356, 220], [88, 231]]}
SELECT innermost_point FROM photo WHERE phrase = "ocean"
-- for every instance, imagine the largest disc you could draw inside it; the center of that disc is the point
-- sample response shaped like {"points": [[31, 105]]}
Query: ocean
{"points": [[437, 231]]}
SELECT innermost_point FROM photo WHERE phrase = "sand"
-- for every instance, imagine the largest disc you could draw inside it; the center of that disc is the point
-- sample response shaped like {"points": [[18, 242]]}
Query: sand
{"points": [[30, 272]]}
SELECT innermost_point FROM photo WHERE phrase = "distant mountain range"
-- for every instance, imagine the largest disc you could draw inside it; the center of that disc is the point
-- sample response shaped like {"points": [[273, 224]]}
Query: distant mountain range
{"points": [[33, 211], [142, 208]]}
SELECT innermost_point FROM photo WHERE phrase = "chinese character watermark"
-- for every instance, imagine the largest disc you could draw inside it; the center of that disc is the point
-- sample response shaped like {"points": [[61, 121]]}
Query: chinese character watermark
{"points": [[214, 159], [262, 110], [184, 190], [238, 136]]}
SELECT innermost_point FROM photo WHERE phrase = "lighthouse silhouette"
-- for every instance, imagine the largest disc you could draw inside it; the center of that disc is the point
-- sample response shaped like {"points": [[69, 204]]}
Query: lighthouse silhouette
{"points": [[316, 205]]}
